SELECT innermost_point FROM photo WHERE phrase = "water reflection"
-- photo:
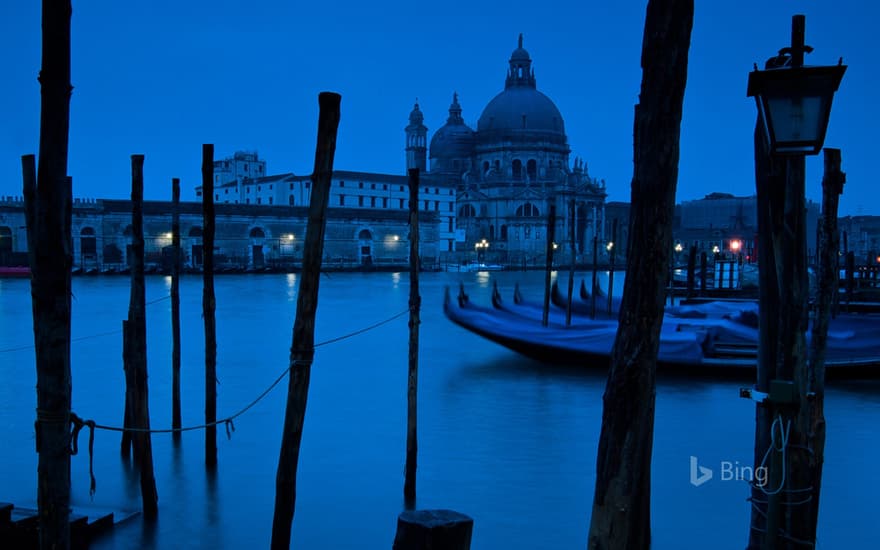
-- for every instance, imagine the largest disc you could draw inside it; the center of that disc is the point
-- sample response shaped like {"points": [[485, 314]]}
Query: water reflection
{"points": [[507, 440], [290, 279]]}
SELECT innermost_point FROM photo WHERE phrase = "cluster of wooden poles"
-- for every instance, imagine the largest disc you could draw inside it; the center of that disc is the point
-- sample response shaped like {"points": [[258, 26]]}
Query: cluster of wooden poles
{"points": [[48, 223]]}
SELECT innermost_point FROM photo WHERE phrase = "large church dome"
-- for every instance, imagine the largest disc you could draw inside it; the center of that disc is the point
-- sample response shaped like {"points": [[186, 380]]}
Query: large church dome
{"points": [[521, 106]]}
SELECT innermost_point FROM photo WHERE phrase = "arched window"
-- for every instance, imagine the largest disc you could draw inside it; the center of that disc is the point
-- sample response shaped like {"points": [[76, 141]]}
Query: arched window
{"points": [[532, 169], [195, 231], [528, 210], [491, 232], [257, 233], [504, 233], [517, 169], [88, 243], [467, 211], [365, 235], [485, 166]]}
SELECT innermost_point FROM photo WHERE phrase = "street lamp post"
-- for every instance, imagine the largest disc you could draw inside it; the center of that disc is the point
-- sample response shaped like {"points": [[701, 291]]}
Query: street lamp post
{"points": [[794, 104]]}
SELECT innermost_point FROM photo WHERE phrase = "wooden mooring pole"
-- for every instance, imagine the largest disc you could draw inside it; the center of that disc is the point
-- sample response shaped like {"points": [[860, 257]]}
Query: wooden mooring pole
{"points": [[433, 530], [571, 235], [704, 266], [595, 286], [175, 308], [209, 304], [809, 454], [551, 235], [302, 349], [691, 267], [135, 345], [612, 252], [48, 196], [621, 512], [48, 200], [409, 484], [48, 217]]}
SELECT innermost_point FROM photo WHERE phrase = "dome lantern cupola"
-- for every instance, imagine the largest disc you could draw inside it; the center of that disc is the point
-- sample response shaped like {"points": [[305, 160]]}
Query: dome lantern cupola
{"points": [[520, 72]]}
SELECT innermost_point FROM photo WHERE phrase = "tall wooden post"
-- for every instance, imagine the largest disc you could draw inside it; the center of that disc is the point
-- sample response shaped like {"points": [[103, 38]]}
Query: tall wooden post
{"points": [[571, 235], [135, 342], [595, 288], [551, 235], [302, 349], [704, 266], [622, 499], [175, 308], [692, 266], [209, 304], [48, 214], [409, 484], [612, 253], [770, 187], [48, 217], [850, 262], [808, 453]]}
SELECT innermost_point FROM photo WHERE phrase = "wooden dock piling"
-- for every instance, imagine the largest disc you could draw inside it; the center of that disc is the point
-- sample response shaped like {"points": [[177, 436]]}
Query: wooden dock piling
{"points": [[409, 484], [302, 348], [572, 245], [593, 292], [48, 198], [135, 345], [691, 268], [175, 309], [209, 304], [48, 204], [551, 235], [612, 253], [433, 530], [621, 511], [806, 467]]}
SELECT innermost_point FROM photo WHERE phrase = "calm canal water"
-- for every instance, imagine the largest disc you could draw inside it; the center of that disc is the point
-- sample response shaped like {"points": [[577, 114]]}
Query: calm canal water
{"points": [[509, 441]]}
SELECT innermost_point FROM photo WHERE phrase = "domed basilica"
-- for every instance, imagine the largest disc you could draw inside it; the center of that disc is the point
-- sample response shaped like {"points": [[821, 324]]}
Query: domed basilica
{"points": [[510, 170]]}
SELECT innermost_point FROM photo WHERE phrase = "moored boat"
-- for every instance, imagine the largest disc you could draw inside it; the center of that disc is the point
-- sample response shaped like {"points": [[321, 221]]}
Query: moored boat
{"points": [[15, 271], [710, 337]]}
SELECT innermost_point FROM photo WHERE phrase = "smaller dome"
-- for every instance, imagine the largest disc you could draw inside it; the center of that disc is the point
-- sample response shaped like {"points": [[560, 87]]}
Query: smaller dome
{"points": [[454, 140]]}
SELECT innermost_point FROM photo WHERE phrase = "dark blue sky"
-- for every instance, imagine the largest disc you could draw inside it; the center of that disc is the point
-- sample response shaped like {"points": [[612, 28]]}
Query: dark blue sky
{"points": [[162, 77]]}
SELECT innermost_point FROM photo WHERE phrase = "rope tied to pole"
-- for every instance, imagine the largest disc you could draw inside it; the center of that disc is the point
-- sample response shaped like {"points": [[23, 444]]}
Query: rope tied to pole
{"points": [[78, 425]]}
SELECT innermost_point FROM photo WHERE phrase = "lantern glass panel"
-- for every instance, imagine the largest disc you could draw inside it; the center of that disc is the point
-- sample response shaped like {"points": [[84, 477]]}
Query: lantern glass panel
{"points": [[796, 122]]}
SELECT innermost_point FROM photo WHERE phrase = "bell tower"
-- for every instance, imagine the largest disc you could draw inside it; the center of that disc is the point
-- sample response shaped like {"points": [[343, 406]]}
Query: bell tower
{"points": [[416, 141]]}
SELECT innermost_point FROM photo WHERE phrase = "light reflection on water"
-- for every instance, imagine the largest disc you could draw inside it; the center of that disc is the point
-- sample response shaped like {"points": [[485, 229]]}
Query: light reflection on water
{"points": [[502, 438]]}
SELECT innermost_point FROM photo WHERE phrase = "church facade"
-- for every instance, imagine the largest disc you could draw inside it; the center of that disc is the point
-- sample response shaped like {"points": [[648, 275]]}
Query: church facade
{"points": [[510, 172]]}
